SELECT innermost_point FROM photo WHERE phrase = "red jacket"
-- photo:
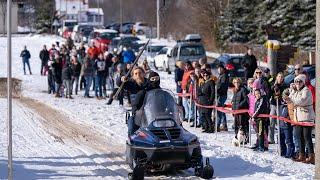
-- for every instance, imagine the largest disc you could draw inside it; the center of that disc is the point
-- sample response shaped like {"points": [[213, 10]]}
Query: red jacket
{"points": [[185, 79], [313, 92], [93, 52]]}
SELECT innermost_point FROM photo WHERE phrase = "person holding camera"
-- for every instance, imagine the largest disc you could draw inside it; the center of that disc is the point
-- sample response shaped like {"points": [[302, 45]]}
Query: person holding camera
{"points": [[276, 92], [301, 97]]}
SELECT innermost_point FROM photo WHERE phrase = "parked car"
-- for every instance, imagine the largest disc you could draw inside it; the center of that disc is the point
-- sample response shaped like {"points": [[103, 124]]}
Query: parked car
{"points": [[67, 27], [152, 50], [124, 41], [233, 65], [77, 33], [85, 34], [162, 59], [187, 50], [127, 28], [114, 26], [309, 69], [103, 37], [141, 27]]}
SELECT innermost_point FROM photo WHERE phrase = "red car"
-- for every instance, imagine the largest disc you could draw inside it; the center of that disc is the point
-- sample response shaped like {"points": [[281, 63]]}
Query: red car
{"points": [[67, 33], [103, 37]]}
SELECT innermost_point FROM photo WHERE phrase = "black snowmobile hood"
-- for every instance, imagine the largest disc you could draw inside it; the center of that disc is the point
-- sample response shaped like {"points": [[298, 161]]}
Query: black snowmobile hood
{"points": [[158, 104]]}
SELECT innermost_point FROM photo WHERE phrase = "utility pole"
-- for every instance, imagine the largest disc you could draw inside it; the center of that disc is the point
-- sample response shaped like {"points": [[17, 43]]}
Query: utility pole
{"points": [[317, 150], [98, 7], [67, 9], [9, 91], [121, 16], [158, 19]]}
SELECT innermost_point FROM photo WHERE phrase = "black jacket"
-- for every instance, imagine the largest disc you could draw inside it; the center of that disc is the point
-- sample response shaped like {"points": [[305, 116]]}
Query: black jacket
{"points": [[206, 93], [76, 69], [44, 56], [67, 72], [25, 54], [132, 86], [100, 67], [240, 99], [57, 72], [223, 84], [280, 88], [178, 74], [261, 106], [250, 64]]}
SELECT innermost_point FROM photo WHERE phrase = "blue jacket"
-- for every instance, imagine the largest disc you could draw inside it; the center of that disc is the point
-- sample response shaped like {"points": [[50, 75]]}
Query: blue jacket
{"points": [[284, 113], [25, 54], [178, 74], [128, 56]]}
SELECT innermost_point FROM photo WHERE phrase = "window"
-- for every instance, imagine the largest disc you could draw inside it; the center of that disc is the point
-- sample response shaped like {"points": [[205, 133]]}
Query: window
{"points": [[175, 52], [155, 49], [107, 35], [143, 24], [163, 51], [191, 51], [90, 18], [98, 18]]}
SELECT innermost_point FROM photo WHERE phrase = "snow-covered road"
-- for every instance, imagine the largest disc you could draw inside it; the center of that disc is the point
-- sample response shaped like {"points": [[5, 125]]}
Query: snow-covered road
{"points": [[84, 138]]}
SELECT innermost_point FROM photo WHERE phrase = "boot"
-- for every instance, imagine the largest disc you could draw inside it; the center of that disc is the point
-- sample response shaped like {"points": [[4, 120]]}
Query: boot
{"points": [[224, 128], [301, 158], [70, 97], [310, 159], [109, 101], [57, 95]]}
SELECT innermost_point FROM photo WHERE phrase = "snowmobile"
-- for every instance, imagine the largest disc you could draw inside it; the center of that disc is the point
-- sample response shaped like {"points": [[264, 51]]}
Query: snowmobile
{"points": [[161, 143]]}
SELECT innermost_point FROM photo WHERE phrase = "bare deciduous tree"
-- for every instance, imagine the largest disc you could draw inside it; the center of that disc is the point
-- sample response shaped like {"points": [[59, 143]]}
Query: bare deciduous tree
{"points": [[3, 9]]}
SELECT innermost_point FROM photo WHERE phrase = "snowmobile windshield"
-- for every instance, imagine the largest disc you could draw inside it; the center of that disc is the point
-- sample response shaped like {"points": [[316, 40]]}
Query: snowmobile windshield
{"points": [[160, 108]]}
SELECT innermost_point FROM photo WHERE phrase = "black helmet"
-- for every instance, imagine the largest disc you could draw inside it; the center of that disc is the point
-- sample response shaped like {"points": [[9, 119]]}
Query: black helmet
{"points": [[154, 79]]}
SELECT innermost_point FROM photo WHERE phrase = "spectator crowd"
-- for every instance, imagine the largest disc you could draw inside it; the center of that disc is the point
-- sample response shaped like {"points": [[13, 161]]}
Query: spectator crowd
{"points": [[259, 93], [70, 69]]}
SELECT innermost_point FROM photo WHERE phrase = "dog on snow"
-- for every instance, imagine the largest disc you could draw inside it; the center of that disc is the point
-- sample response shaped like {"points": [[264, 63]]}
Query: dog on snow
{"points": [[240, 139]]}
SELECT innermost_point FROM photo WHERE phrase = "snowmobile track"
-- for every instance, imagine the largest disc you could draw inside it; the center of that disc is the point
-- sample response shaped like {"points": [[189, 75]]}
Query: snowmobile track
{"points": [[85, 137]]}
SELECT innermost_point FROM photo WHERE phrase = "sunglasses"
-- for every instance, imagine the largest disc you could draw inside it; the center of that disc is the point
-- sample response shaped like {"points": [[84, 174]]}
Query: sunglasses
{"points": [[297, 69], [258, 72], [298, 81], [155, 78], [205, 74]]}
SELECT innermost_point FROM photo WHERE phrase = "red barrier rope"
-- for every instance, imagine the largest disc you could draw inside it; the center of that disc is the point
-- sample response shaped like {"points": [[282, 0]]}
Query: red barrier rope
{"points": [[242, 111]]}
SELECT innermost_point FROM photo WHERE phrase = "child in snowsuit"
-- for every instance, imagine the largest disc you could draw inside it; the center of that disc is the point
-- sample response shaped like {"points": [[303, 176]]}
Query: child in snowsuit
{"points": [[256, 84], [261, 107]]}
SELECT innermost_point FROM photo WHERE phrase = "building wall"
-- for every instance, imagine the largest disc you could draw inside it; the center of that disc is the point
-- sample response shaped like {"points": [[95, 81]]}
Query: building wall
{"points": [[14, 19], [71, 6]]}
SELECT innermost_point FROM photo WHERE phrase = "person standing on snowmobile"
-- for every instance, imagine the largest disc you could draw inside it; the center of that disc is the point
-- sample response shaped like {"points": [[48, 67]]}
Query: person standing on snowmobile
{"points": [[152, 83]]}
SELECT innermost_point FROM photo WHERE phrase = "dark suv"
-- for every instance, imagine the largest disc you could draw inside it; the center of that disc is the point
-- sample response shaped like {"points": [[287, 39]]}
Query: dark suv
{"points": [[232, 63]]}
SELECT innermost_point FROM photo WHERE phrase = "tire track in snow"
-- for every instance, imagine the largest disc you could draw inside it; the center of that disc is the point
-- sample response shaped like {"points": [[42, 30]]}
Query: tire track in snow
{"points": [[86, 138], [89, 141]]}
